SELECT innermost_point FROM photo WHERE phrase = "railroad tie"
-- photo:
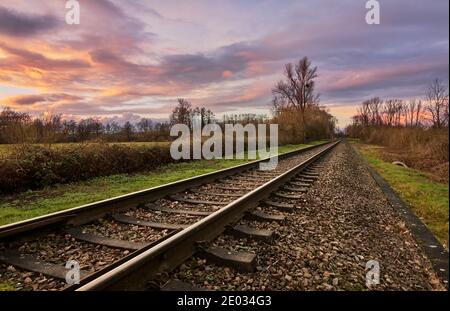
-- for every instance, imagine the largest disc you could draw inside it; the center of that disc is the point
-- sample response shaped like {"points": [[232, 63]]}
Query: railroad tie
{"points": [[303, 179], [243, 231], [280, 206], [194, 201], [295, 189], [241, 261], [78, 234], [299, 184], [139, 222], [169, 210], [235, 188], [261, 216], [32, 263], [231, 195], [288, 196], [180, 286], [308, 175]]}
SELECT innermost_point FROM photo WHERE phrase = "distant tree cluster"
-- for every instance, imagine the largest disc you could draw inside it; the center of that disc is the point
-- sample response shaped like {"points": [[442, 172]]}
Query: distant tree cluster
{"points": [[18, 127], [245, 118], [432, 112], [184, 112]]}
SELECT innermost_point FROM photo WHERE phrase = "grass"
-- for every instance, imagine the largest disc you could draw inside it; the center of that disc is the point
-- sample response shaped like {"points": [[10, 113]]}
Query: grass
{"points": [[4, 148], [6, 287], [30, 204], [427, 198]]}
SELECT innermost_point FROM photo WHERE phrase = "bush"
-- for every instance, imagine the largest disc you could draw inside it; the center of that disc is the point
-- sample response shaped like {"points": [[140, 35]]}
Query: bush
{"points": [[31, 166], [426, 143]]}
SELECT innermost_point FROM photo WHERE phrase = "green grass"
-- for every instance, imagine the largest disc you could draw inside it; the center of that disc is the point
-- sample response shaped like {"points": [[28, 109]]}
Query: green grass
{"points": [[30, 204], [6, 287], [427, 198]]}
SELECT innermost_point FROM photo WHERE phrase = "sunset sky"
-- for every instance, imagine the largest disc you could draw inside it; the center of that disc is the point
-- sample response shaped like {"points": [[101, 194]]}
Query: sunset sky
{"points": [[134, 58]]}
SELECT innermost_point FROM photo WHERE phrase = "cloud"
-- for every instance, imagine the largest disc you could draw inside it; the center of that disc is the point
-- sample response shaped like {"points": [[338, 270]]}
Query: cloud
{"points": [[13, 23], [138, 57], [29, 100], [36, 60]]}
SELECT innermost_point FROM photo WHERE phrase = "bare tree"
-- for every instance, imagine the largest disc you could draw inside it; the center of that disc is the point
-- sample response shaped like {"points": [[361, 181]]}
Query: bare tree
{"points": [[374, 108], [297, 89], [363, 115], [128, 130], [399, 108], [182, 112], [145, 125], [437, 106], [392, 112], [413, 111], [13, 126]]}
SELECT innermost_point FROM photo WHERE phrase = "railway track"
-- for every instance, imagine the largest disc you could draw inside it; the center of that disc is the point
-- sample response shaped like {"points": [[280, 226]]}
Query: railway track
{"points": [[125, 242]]}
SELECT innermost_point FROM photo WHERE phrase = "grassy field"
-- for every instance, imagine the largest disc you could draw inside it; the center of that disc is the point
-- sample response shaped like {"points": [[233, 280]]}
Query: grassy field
{"points": [[40, 202], [427, 198]]}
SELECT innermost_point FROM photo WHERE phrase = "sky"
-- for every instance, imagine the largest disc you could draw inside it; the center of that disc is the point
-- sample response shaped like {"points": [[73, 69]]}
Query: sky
{"points": [[130, 59]]}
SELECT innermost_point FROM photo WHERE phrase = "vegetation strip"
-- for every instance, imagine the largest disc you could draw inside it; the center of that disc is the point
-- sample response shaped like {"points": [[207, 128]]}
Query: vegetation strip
{"points": [[434, 250], [427, 198]]}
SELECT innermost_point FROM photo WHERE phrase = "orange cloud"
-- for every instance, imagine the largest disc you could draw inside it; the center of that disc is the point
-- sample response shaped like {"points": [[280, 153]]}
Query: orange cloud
{"points": [[227, 74]]}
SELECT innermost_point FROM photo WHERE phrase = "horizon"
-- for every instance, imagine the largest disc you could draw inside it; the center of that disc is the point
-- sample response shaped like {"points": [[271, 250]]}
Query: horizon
{"points": [[134, 59]]}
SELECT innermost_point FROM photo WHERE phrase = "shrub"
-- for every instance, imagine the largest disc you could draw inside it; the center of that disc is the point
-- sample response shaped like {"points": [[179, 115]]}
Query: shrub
{"points": [[426, 143], [31, 166]]}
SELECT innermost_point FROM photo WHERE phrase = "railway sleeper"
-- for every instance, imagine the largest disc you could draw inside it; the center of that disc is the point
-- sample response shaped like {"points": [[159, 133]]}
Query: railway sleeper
{"points": [[78, 234], [235, 188], [177, 285], [310, 176], [261, 216], [241, 261], [299, 184], [288, 196], [231, 195], [303, 179], [154, 207], [194, 201], [243, 231], [157, 225], [252, 180], [32, 263], [285, 207], [295, 189]]}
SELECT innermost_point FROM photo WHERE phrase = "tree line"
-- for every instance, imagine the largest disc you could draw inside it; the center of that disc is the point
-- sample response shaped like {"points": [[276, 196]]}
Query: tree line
{"points": [[433, 112], [20, 127]]}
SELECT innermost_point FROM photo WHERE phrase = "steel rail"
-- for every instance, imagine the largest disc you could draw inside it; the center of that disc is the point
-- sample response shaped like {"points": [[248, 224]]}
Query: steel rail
{"points": [[167, 255], [92, 211]]}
